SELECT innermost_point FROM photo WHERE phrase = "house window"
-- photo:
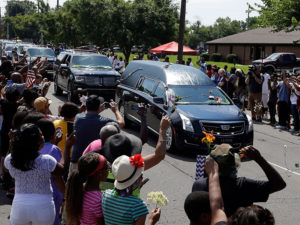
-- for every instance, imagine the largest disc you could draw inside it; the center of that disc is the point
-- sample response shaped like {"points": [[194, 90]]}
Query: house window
{"points": [[230, 49], [273, 48], [216, 48]]}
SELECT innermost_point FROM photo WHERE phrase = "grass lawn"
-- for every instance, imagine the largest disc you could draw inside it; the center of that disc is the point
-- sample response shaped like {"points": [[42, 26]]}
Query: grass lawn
{"points": [[173, 59]]}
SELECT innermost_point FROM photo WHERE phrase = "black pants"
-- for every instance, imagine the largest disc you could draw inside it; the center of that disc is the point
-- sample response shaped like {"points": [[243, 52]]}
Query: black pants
{"points": [[283, 113], [272, 110]]}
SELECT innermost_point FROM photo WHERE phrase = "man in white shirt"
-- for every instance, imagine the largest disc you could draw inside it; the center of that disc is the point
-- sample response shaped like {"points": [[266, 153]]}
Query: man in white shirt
{"points": [[120, 66], [189, 62], [265, 92], [111, 58]]}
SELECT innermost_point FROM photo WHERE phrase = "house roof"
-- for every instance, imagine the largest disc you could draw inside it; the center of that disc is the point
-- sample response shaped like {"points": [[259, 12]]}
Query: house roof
{"points": [[260, 36]]}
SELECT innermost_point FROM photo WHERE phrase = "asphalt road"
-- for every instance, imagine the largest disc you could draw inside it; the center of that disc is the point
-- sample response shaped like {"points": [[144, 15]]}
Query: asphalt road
{"points": [[175, 175]]}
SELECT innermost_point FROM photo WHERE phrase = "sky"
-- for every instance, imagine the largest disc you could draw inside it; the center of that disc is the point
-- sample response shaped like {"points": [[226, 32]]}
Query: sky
{"points": [[207, 11]]}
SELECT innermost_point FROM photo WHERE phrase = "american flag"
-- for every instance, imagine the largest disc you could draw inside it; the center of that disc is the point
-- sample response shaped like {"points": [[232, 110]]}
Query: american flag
{"points": [[30, 79]]}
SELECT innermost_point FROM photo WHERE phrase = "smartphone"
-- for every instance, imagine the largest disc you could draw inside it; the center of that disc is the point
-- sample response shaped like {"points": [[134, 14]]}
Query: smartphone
{"points": [[70, 127], [107, 105]]}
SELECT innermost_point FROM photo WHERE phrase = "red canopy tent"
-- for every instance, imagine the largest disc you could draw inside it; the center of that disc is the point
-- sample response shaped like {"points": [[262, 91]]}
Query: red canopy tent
{"points": [[172, 48]]}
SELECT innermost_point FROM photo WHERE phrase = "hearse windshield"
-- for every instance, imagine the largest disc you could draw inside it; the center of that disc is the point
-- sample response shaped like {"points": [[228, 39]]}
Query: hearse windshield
{"points": [[198, 94]]}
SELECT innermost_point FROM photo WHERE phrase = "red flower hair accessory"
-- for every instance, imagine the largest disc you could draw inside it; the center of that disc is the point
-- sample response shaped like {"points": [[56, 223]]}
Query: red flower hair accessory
{"points": [[137, 161]]}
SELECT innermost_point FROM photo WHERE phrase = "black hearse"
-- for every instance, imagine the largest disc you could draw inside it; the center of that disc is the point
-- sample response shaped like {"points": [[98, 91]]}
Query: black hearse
{"points": [[189, 98]]}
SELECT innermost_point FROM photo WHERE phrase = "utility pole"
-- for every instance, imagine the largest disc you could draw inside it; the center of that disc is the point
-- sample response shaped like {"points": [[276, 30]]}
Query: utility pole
{"points": [[181, 30], [57, 5], [7, 24]]}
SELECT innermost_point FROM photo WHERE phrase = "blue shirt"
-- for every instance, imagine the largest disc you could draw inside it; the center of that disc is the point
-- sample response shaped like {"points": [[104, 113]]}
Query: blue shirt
{"points": [[53, 150], [283, 93], [87, 127], [118, 210]]}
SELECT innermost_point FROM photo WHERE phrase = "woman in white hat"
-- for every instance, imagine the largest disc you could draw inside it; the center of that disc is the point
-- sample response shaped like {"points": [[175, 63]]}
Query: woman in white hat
{"points": [[119, 205]]}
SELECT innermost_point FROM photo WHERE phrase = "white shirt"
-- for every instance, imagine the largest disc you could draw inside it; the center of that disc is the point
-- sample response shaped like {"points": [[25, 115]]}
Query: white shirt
{"points": [[111, 59], [191, 64], [265, 88], [115, 63], [293, 97]]}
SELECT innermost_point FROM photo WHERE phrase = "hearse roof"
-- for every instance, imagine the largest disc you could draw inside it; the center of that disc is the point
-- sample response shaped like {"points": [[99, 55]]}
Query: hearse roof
{"points": [[169, 73]]}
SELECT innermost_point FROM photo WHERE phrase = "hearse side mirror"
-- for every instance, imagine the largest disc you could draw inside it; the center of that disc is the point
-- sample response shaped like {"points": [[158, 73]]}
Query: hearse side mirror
{"points": [[158, 100]]}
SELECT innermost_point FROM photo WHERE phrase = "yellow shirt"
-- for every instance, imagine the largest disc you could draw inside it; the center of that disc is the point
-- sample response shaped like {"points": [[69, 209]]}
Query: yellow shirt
{"points": [[64, 130]]}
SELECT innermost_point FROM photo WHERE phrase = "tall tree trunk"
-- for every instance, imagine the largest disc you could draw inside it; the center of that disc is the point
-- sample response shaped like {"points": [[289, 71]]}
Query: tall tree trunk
{"points": [[181, 30]]}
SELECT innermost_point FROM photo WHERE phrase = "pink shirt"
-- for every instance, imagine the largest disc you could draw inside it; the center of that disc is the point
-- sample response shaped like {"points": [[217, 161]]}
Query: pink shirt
{"points": [[93, 146], [91, 207]]}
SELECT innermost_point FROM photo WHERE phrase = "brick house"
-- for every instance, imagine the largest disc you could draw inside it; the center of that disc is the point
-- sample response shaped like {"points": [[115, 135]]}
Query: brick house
{"points": [[253, 44]]}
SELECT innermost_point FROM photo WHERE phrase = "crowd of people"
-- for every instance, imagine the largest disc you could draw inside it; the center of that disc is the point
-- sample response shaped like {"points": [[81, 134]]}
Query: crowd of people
{"points": [[267, 95], [77, 167]]}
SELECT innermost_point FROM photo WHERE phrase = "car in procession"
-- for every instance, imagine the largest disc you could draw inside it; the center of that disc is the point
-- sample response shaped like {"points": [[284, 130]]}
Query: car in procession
{"points": [[191, 100], [79, 73], [33, 52]]}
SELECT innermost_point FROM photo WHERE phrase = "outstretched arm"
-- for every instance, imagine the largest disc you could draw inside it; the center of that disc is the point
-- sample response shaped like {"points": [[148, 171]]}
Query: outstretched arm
{"points": [[215, 195], [275, 180], [160, 150], [114, 108]]}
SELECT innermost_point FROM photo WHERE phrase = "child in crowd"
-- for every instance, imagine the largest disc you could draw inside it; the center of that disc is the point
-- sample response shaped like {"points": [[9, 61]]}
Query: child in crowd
{"points": [[83, 196], [57, 183], [128, 173]]}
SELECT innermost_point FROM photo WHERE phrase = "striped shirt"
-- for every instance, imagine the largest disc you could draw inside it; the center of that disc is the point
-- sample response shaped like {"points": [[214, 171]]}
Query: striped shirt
{"points": [[120, 210], [91, 207]]}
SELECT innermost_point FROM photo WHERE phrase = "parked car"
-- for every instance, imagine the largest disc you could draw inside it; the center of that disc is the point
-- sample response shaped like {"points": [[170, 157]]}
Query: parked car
{"points": [[82, 72], [43, 52], [278, 62], [191, 100]]}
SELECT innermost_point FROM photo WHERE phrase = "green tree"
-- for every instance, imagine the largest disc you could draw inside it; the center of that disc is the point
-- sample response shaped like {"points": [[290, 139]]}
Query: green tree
{"points": [[280, 14], [14, 8], [141, 22]]}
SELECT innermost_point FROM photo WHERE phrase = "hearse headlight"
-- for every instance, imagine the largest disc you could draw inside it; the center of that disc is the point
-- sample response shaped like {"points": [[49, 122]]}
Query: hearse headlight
{"points": [[79, 78], [186, 123], [250, 123]]}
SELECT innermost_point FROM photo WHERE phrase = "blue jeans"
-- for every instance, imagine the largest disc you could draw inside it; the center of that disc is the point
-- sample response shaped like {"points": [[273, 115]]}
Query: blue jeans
{"points": [[295, 115]]}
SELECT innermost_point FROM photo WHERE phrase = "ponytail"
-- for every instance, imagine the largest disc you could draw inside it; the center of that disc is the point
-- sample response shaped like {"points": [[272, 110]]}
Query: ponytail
{"points": [[74, 196]]}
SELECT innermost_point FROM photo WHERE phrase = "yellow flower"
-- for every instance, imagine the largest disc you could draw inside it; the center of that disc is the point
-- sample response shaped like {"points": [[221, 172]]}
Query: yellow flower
{"points": [[209, 138], [157, 198], [210, 92]]}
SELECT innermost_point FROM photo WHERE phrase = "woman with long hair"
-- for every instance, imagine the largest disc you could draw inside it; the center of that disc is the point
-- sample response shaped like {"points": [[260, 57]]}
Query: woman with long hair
{"points": [[33, 203], [83, 195]]}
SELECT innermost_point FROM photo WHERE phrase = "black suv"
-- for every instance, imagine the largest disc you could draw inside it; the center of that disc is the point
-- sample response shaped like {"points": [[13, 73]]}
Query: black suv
{"points": [[82, 72]]}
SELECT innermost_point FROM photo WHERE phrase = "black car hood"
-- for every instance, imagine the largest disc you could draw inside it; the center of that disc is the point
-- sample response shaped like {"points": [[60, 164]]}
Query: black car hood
{"points": [[94, 71], [211, 112]]}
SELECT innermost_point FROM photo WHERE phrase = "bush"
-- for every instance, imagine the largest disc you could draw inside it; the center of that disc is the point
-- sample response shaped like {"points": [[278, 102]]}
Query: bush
{"points": [[230, 58], [205, 56], [216, 57]]}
